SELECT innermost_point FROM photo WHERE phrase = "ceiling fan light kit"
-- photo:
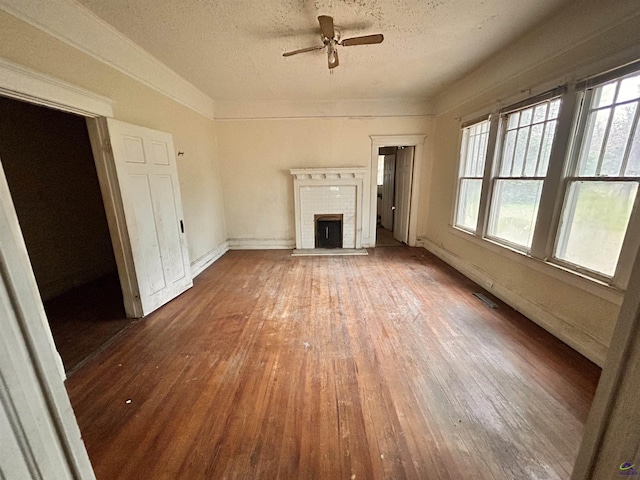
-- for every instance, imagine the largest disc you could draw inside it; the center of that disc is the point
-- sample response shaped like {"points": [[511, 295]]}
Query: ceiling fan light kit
{"points": [[331, 39]]}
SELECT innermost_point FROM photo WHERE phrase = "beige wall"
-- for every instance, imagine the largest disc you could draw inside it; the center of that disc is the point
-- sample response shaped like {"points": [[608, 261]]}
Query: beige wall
{"points": [[136, 103], [256, 156], [586, 38]]}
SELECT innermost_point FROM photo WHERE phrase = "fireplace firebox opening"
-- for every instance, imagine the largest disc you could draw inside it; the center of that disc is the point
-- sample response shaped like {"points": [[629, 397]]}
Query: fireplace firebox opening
{"points": [[328, 231]]}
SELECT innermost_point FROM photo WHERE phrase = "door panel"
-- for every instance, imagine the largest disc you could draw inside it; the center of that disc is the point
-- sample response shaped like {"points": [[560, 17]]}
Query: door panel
{"points": [[153, 280], [148, 180], [388, 186], [163, 195], [404, 171]]}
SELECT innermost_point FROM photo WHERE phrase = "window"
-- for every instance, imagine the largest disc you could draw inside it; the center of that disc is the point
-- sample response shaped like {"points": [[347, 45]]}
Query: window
{"points": [[526, 140], [472, 159], [603, 182], [562, 176]]}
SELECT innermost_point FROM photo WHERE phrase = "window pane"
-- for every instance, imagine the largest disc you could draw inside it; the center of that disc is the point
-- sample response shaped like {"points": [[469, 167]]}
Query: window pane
{"points": [[468, 203], [507, 154], [533, 150], [513, 120], [603, 96], [545, 153], [554, 109], [540, 113], [525, 117], [633, 164], [521, 150], [592, 143], [618, 139], [594, 222], [629, 89], [514, 210]]}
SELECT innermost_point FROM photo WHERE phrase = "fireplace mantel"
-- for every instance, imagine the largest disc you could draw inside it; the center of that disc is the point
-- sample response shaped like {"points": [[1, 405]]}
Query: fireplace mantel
{"points": [[320, 191], [337, 173]]}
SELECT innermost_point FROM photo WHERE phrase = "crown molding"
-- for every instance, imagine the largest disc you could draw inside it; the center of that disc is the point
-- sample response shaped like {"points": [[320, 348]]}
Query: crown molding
{"points": [[289, 109], [80, 28]]}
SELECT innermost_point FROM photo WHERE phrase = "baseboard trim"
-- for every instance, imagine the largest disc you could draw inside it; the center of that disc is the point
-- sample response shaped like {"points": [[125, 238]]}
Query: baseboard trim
{"points": [[206, 260], [261, 244], [559, 327]]}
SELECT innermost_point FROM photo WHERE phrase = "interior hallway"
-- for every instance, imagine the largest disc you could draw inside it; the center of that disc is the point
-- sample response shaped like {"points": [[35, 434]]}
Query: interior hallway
{"points": [[378, 366]]}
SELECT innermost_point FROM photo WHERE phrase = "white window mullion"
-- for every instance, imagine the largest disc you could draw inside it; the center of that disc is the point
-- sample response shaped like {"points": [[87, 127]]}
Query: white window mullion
{"points": [[541, 247], [489, 166]]}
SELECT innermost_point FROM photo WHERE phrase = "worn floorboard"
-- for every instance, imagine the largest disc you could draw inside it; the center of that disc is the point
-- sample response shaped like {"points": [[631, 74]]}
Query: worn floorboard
{"points": [[374, 367]]}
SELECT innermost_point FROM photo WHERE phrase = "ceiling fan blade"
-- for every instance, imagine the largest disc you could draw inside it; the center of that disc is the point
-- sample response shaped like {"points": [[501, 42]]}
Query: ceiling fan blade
{"points": [[326, 26], [302, 50], [336, 62], [364, 40]]}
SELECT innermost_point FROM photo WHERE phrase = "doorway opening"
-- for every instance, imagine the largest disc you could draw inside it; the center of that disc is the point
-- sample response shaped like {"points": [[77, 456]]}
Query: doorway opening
{"points": [[393, 195], [50, 169]]}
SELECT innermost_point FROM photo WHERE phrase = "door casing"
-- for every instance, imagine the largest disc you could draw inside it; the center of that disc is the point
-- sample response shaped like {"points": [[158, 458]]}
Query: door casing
{"points": [[378, 141]]}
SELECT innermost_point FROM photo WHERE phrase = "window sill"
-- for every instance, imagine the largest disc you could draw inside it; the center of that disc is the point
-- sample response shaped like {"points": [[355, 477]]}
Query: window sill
{"points": [[570, 277]]}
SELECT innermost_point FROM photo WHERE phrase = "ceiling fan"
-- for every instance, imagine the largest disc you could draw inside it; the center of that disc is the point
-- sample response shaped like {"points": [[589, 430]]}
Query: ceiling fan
{"points": [[331, 39]]}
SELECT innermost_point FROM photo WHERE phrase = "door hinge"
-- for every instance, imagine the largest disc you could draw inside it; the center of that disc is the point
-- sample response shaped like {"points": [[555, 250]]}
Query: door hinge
{"points": [[106, 145]]}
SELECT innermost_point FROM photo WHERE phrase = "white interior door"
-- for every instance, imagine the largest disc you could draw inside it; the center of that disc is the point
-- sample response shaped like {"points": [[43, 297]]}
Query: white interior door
{"points": [[148, 179], [404, 172], [388, 186]]}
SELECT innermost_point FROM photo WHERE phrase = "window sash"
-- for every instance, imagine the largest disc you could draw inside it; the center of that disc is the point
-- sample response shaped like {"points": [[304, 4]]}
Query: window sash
{"points": [[580, 141], [569, 207], [505, 158], [472, 164]]}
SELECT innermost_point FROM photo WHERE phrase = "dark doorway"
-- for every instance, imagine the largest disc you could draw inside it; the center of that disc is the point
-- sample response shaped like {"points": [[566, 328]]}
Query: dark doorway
{"points": [[328, 231], [48, 162]]}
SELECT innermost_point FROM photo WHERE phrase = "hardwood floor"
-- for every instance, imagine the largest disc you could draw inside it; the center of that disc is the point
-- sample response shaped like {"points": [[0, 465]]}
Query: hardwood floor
{"points": [[85, 319], [368, 367]]}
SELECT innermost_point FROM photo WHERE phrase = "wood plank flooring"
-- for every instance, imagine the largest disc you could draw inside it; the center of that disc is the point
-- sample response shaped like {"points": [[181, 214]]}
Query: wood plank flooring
{"points": [[376, 367]]}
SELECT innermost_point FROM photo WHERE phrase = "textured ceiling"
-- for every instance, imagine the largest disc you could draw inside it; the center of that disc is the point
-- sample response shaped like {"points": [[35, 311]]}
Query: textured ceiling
{"points": [[232, 49]]}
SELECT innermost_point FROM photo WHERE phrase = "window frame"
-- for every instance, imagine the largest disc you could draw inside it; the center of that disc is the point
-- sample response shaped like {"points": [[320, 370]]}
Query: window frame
{"points": [[502, 130], [630, 243], [464, 138], [570, 130]]}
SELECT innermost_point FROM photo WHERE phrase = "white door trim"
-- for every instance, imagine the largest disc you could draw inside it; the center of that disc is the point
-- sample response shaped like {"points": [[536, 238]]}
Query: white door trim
{"points": [[32, 391], [30, 86], [377, 141], [114, 209]]}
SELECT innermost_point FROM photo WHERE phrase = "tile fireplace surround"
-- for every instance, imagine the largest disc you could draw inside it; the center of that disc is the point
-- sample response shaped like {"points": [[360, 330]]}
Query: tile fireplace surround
{"points": [[328, 191]]}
